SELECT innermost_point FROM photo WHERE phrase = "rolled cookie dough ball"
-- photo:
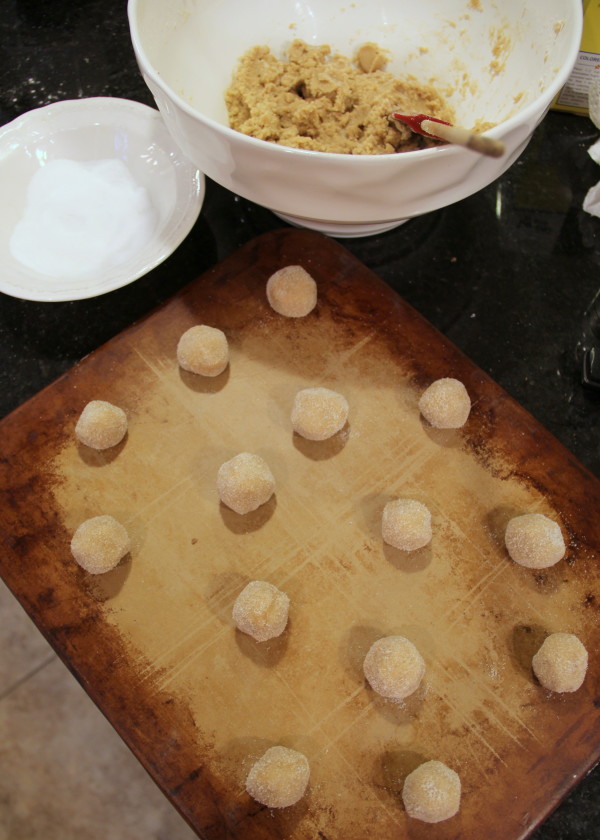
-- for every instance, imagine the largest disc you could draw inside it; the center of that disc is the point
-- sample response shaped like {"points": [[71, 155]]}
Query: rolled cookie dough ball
{"points": [[101, 425], [261, 610], [561, 662], [203, 350], [534, 540], [445, 404], [406, 524], [292, 292], [279, 778], [99, 543], [432, 792], [318, 413], [245, 482], [394, 667]]}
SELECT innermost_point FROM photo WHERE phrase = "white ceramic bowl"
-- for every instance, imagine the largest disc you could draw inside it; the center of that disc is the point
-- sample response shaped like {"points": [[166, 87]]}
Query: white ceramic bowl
{"points": [[88, 130], [187, 51]]}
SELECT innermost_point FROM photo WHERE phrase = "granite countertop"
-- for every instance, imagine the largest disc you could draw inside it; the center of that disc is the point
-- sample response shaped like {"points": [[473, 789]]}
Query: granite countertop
{"points": [[510, 275]]}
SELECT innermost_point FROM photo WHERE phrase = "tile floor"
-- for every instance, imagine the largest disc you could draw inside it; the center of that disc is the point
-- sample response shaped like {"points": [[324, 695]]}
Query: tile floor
{"points": [[64, 772]]}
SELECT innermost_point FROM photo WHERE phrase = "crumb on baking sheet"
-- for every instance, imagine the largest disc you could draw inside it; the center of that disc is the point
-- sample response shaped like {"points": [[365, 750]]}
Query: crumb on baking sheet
{"points": [[322, 101]]}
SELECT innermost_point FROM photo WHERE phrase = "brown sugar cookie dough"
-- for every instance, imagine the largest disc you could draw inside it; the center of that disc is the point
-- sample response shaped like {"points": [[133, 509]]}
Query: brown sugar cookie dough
{"points": [[326, 102], [406, 524], [279, 778], [101, 425], [394, 667], [261, 610], [245, 482], [445, 404], [99, 543], [318, 413], [292, 292], [561, 662], [203, 350], [534, 540], [431, 793]]}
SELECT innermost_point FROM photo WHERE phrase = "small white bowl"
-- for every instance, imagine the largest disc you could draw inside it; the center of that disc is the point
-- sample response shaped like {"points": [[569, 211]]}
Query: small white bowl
{"points": [[98, 128], [499, 62]]}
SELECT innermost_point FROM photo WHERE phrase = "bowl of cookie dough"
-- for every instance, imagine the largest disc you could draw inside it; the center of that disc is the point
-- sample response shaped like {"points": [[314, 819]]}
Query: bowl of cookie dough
{"points": [[287, 104]]}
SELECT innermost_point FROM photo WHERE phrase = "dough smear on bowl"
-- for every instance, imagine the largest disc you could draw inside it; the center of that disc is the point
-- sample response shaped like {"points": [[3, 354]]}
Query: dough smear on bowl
{"points": [[279, 778], [99, 543], [431, 793], [318, 413], [406, 524], [203, 350], [561, 662], [534, 540], [292, 292], [445, 404], [101, 425], [394, 667], [245, 482], [326, 102], [261, 610]]}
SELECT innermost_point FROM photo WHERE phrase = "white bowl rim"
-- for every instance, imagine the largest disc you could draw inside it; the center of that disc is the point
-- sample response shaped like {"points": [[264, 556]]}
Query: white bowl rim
{"points": [[498, 131], [104, 106]]}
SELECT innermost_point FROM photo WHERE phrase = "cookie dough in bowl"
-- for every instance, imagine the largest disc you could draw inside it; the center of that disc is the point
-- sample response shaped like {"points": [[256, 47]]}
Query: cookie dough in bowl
{"points": [[188, 54]]}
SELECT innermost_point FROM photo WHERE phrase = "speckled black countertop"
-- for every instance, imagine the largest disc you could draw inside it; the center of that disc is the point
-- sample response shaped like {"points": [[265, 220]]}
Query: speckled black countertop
{"points": [[510, 275]]}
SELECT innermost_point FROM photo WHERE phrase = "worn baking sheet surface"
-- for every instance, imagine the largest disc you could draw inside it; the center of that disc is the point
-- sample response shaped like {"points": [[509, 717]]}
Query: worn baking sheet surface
{"points": [[153, 641]]}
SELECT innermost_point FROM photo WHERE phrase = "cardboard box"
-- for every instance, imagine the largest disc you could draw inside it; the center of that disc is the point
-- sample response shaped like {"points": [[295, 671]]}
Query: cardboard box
{"points": [[574, 95]]}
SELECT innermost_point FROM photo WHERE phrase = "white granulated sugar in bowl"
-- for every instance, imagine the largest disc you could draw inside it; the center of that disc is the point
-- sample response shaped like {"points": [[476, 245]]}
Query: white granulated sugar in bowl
{"points": [[81, 218]]}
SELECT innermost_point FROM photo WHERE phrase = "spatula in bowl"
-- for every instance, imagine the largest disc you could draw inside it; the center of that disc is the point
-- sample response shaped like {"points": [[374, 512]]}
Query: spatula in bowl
{"points": [[442, 130]]}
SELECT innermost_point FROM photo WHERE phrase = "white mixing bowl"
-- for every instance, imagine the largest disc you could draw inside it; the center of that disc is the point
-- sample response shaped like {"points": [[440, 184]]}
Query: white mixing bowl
{"points": [[504, 63]]}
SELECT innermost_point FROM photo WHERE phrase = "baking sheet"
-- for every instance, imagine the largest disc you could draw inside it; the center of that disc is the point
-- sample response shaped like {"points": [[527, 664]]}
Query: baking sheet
{"points": [[153, 641]]}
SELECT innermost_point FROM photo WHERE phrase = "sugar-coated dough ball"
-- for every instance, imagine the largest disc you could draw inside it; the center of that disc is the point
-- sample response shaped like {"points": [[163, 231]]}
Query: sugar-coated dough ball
{"points": [[432, 792], [561, 662], [279, 778], [101, 425], [394, 667], [292, 292], [406, 524], [534, 540], [318, 413], [245, 482], [261, 610], [445, 404], [99, 543], [203, 350]]}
